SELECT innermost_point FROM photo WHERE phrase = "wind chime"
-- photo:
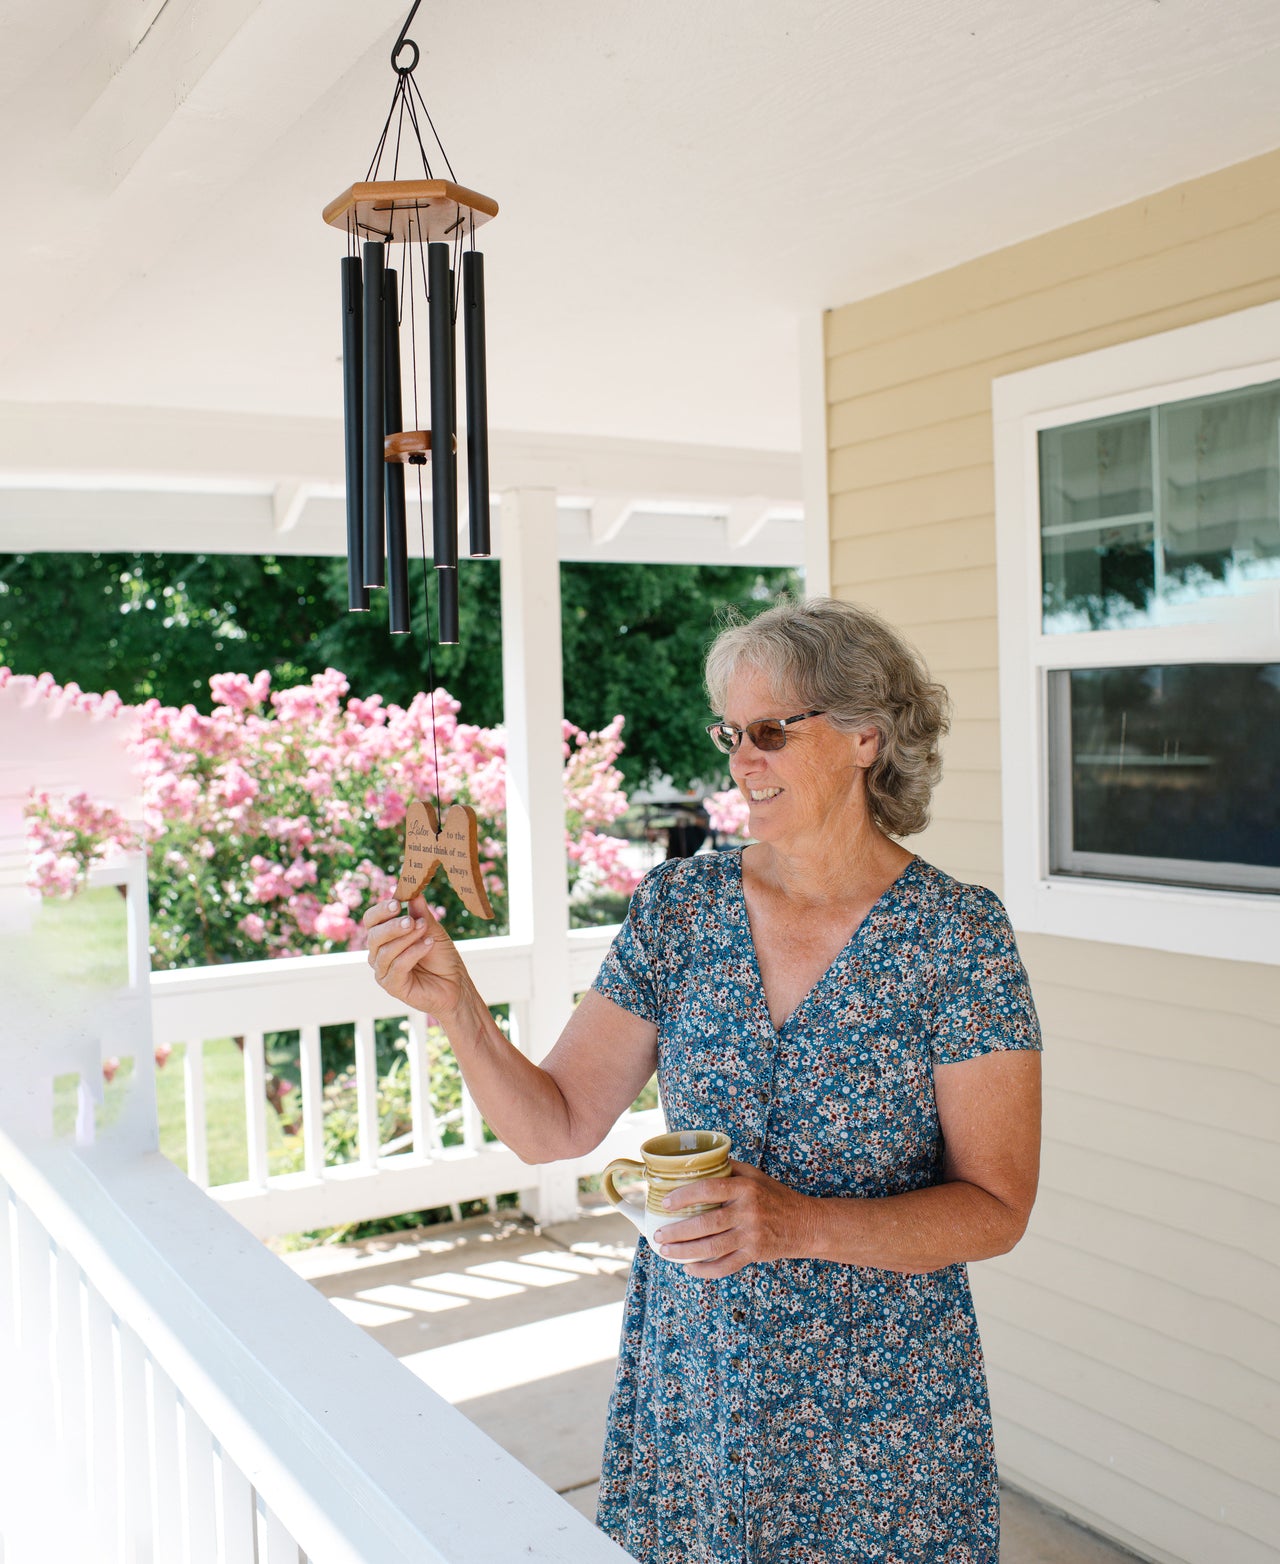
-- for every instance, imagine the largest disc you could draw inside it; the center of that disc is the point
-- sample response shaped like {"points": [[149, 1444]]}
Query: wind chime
{"points": [[428, 224]]}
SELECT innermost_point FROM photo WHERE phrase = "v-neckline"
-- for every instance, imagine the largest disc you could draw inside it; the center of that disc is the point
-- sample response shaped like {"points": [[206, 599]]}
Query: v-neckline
{"points": [[836, 961]]}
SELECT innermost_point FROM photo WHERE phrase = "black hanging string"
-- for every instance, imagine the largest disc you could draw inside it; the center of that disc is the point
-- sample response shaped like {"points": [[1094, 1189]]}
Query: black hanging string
{"points": [[435, 133], [376, 159]]}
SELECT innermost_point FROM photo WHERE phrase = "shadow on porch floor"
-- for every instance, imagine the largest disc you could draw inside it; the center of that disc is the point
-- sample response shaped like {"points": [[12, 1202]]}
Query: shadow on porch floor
{"points": [[519, 1328]]}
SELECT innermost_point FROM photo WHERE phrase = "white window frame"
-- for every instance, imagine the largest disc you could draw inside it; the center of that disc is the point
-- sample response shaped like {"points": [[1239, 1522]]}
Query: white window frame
{"points": [[1225, 354]]}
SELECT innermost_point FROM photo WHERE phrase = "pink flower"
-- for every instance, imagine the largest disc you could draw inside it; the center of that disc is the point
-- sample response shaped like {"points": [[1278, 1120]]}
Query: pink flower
{"points": [[252, 927], [163, 1050], [728, 813], [237, 692], [334, 922], [305, 910], [236, 786]]}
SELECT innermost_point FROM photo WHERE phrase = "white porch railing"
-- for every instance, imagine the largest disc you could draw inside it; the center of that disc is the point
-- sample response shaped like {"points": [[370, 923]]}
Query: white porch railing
{"points": [[173, 1394], [250, 999]]}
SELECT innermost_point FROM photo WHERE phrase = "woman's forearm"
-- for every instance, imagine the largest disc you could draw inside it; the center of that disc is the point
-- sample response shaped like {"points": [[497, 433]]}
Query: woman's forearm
{"points": [[521, 1103], [923, 1230]]}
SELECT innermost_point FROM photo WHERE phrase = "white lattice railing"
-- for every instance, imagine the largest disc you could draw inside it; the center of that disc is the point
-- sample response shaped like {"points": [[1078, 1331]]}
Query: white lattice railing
{"points": [[173, 1394], [251, 999]]}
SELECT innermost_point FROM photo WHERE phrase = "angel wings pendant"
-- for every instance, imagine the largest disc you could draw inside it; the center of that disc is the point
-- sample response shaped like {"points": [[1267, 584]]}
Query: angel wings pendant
{"points": [[427, 846]]}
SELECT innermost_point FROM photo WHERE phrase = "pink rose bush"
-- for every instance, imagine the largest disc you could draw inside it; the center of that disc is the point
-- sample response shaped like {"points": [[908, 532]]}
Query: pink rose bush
{"points": [[275, 820], [66, 837], [728, 813]]}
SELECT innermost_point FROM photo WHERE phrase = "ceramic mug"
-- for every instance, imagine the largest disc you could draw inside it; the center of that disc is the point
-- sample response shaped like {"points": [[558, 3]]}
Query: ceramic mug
{"points": [[670, 1161]]}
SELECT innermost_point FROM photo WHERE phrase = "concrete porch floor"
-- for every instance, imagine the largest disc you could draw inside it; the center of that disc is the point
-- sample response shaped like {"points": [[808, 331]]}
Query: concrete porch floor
{"points": [[518, 1327]]}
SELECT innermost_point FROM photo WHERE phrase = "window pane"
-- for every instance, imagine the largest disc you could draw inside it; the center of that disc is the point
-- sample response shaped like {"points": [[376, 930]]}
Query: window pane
{"points": [[1097, 523], [1159, 507], [1178, 765], [1220, 468]]}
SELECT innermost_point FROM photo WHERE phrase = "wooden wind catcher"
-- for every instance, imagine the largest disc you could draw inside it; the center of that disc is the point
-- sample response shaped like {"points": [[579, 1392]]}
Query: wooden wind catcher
{"points": [[450, 845], [411, 262]]}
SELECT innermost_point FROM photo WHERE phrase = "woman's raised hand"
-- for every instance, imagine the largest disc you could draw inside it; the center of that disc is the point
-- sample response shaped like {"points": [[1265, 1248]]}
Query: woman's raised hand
{"points": [[413, 958]]}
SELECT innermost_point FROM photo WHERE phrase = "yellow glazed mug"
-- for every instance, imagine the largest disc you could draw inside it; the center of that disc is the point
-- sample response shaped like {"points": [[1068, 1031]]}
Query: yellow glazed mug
{"points": [[670, 1161]]}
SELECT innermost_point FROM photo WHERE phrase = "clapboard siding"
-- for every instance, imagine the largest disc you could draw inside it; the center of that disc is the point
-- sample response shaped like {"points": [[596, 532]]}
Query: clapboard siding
{"points": [[1231, 199], [946, 545], [1226, 1331], [1133, 1338]]}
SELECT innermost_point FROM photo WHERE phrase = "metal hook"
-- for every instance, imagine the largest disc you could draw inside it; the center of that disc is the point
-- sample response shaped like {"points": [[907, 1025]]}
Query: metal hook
{"points": [[402, 41]]}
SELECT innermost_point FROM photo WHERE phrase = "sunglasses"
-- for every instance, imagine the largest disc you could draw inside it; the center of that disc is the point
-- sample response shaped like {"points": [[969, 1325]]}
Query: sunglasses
{"points": [[770, 733]]}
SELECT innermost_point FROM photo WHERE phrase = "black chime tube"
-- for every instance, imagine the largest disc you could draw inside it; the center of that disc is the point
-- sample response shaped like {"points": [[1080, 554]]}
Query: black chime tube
{"points": [[477, 403], [444, 467], [447, 577], [397, 543], [374, 486], [357, 592]]}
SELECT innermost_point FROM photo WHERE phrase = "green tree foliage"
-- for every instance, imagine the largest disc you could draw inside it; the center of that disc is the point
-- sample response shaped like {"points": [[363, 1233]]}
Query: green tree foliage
{"points": [[160, 624]]}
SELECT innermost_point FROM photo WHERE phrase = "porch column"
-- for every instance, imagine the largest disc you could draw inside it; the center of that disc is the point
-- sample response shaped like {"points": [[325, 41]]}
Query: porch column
{"points": [[533, 715]]}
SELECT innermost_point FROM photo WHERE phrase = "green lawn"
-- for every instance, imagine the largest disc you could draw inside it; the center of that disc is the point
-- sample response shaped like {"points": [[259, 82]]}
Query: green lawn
{"points": [[82, 941], [224, 1115]]}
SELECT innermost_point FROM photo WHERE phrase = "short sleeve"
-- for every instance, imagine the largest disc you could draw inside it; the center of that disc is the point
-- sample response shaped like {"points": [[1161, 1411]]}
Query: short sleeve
{"points": [[628, 974], [983, 997]]}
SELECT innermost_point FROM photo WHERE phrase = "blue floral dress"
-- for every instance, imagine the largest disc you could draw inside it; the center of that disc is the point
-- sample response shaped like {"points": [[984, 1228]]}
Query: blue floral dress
{"points": [[804, 1411]]}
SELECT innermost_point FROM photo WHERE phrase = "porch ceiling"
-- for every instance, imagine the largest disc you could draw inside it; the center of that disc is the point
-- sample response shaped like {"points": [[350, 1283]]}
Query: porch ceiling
{"points": [[679, 185]]}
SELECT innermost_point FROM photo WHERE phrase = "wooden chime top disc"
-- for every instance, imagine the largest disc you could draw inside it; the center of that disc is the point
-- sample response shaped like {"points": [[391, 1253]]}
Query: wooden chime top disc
{"points": [[401, 209]]}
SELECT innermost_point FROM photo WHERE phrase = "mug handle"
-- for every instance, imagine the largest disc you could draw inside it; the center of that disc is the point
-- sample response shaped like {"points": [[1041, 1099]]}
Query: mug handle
{"points": [[627, 1204]]}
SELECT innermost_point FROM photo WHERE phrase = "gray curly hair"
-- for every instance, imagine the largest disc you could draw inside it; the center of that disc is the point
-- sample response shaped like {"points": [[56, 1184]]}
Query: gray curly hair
{"points": [[845, 661]]}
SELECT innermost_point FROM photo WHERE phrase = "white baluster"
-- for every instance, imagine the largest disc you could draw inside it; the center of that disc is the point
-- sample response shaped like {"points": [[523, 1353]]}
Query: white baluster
{"points": [[426, 1133], [197, 1133], [367, 1092], [166, 1466], [8, 1277], [472, 1123], [199, 1490], [135, 1448], [312, 1100], [69, 1364], [255, 1105], [236, 1516], [35, 1284], [282, 1548], [104, 1454], [85, 1118]]}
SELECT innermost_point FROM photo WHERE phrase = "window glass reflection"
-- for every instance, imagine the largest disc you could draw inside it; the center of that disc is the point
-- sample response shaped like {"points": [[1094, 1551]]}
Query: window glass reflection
{"points": [[1154, 509], [1173, 763]]}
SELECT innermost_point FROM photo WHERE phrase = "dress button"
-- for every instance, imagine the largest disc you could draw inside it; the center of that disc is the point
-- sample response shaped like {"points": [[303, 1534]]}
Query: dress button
{"points": [[739, 1315], [735, 1418], [762, 1095], [735, 1456]]}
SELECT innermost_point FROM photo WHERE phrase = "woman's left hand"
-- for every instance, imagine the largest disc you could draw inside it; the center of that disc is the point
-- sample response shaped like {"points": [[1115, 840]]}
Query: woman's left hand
{"points": [[760, 1219]]}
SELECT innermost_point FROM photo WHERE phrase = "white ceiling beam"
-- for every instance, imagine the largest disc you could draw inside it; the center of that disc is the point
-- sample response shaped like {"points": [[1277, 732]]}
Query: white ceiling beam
{"points": [[608, 517], [74, 445], [163, 68], [287, 504], [82, 520], [178, 132], [744, 522]]}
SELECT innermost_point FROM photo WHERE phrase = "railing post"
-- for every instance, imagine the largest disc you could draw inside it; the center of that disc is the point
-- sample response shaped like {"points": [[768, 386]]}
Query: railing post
{"points": [[533, 716]]}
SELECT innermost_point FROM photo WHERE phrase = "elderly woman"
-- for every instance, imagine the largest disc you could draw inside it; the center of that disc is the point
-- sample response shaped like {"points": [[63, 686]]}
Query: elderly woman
{"points": [[807, 1383]]}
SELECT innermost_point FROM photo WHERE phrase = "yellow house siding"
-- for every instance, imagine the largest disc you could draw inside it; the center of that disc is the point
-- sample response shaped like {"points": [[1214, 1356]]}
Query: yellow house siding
{"points": [[1133, 1338]]}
